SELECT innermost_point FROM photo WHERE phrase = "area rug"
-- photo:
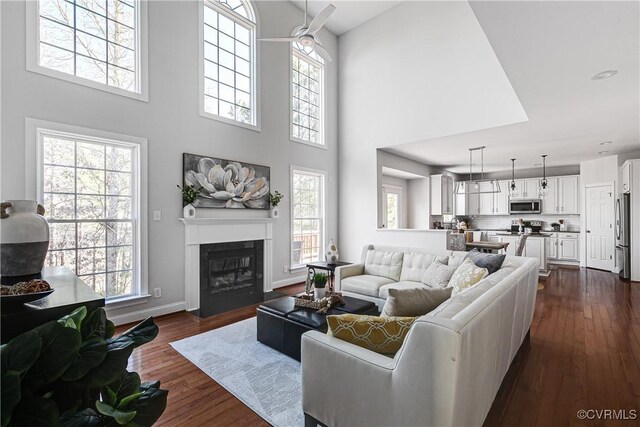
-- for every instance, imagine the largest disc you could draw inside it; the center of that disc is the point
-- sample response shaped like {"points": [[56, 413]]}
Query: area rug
{"points": [[265, 380]]}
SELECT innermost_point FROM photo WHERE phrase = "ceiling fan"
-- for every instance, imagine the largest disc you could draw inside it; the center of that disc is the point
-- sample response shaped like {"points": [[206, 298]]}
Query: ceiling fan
{"points": [[306, 34]]}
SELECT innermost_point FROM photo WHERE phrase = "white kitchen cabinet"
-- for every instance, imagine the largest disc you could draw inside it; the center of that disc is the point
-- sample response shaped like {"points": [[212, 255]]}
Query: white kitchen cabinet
{"points": [[527, 188], [552, 246], [473, 204], [501, 199], [568, 247], [626, 177], [460, 204], [512, 241], [486, 199], [535, 247], [568, 195], [441, 194], [550, 200]]}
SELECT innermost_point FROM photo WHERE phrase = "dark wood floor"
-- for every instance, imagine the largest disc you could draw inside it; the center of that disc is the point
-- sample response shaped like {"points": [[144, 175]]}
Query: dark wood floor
{"points": [[585, 354]]}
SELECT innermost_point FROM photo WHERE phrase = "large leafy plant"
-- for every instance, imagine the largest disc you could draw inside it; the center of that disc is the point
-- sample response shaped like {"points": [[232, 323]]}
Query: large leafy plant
{"points": [[73, 372]]}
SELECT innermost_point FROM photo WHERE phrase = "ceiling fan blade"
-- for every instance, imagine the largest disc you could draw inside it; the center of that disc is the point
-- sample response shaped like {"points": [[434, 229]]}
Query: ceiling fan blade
{"points": [[320, 50], [320, 19], [280, 39]]}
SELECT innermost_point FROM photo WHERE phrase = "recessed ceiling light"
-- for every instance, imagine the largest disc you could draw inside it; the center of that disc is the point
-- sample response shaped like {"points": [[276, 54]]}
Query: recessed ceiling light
{"points": [[604, 75], [603, 152], [606, 143]]}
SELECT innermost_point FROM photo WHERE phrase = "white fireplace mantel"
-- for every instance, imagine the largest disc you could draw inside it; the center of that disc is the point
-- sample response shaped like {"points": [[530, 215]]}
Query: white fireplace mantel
{"points": [[202, 231]]}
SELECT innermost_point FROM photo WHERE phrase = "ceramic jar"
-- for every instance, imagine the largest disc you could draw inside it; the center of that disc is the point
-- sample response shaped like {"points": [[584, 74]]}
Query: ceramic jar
{"points": [[189, 211], [24, 238], [331, 254]]}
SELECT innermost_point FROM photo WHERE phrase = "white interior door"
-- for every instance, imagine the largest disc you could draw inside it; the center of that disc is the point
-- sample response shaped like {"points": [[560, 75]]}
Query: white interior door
{"points": [[599, 232]]}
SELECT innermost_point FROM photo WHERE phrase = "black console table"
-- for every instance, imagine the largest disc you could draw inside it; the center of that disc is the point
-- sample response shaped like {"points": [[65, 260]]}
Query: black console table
{"points": [[69, 293], [330, 268]]}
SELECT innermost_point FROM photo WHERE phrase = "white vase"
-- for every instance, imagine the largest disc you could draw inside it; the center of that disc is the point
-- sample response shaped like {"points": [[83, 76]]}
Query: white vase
{"points": [[24, 238], [275, 213], [331, 254], [320, 293], [189, 211]]}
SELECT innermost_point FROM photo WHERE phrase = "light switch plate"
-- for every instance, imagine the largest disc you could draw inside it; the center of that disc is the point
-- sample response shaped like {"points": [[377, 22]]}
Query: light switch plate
{"points": [[157, 215]]}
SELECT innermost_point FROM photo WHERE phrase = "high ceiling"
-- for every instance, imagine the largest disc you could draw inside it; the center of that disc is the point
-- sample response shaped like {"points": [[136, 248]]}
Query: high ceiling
{"points": [[349, 14], [549, 51]]}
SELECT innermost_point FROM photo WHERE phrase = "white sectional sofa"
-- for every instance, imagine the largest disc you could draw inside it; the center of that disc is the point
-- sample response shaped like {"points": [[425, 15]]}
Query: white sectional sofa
{"points": [[452, 362]]}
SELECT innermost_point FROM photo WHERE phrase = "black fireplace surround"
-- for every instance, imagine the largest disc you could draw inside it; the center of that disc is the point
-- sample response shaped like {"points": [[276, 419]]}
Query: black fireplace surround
{"points": [[231, 276]]}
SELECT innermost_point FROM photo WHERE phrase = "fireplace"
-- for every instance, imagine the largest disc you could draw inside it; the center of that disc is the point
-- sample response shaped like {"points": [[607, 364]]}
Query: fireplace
{"points": [[231, 276]]}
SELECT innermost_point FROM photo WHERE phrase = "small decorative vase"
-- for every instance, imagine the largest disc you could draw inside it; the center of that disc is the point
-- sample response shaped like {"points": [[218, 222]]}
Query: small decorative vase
{"points": [[275, 213], [320, 293], [331, 254], [24, 238], [189, 211]]}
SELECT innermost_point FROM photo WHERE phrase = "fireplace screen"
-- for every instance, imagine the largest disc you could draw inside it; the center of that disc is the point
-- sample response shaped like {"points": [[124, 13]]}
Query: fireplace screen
{"points": [[231, 276]]}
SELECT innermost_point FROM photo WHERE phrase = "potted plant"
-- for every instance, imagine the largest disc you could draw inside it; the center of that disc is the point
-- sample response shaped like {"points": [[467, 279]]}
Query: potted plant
{"points": [[319, 282], [189, 195], [73, 372], [274, 200]]}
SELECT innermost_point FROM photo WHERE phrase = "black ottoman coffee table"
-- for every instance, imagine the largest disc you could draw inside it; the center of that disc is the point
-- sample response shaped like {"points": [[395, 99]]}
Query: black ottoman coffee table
{"points": [[281, 324]]}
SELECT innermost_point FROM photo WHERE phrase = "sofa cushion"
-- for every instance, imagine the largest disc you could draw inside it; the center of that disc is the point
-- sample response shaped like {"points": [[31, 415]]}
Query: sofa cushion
{"points": [[383, 264], [365, 284], [456, 258], [465, 276], [414, 264], [414, 301], [403, 284], [492, 262], [380, 334], [438, 274]]}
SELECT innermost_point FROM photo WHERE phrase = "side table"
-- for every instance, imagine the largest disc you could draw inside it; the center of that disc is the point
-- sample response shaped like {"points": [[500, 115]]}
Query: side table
{"points": [[330, 268]]}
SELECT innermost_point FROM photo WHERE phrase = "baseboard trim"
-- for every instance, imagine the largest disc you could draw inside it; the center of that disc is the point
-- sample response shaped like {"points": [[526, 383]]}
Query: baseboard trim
{"points": [[288, 282], [136, 316]]}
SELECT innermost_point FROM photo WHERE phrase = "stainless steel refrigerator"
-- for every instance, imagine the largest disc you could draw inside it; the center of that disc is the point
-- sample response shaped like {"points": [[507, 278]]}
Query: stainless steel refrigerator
{"points": [[623, 232]]}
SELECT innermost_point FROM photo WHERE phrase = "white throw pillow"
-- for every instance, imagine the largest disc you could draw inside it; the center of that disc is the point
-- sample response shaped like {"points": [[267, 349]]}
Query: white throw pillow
{"points": [[467, 275], [438, 274]]}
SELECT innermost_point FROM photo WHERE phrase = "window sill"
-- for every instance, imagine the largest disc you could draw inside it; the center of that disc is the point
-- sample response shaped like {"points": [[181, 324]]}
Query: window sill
{"points": [[127, 301], [255, 128], [310, 144], [38, 69], [296, 268]]}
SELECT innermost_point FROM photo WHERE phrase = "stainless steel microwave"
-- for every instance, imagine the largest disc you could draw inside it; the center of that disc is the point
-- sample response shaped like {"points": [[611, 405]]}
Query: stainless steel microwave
{"points": [[528, 206]]}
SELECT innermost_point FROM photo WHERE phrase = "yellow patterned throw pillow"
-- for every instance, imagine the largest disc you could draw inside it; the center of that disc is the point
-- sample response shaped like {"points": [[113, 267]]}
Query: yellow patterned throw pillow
{"points": [[467, 275], [380, 334]]}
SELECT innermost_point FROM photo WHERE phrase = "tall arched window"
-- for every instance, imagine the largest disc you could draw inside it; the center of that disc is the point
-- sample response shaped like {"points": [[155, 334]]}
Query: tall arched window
{"points": [[228, 73], [307, 96]]}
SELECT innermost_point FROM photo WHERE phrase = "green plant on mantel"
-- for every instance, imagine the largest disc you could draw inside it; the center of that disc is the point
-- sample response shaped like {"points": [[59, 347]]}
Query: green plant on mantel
{"points": [[189, 194], [320, 280], [73, 372], [275, 198]]}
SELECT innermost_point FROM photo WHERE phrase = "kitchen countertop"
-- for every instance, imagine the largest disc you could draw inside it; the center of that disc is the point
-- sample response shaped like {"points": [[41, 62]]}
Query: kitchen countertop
{"points": [[518, 234], [504, 230]]}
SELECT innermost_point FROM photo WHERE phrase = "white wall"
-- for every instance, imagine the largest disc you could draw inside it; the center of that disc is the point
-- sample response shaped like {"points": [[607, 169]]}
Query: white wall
{"points": [[603, 170], [171, 122], [417, 71], [419, 209]]}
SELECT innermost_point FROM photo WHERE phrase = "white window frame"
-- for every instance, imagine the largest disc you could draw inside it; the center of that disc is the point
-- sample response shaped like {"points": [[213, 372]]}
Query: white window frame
{"points": [[393, 189], [35, 130], [301, 55], [323, 226], [142, 64], [255, 69]]}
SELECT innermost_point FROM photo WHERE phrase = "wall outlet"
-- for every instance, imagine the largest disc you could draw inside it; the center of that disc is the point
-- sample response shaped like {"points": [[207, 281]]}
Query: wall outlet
{"points": [[285, 268], [157, 292], [157, 215]]}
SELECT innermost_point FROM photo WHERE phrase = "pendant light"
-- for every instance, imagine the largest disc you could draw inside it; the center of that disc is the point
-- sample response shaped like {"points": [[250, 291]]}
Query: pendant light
{"points": [[513, 190], [473, 186], [544, 185]]}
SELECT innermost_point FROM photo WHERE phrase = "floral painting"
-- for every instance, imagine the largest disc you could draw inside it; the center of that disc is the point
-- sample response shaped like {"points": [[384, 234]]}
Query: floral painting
{"points": [[226, 183]]}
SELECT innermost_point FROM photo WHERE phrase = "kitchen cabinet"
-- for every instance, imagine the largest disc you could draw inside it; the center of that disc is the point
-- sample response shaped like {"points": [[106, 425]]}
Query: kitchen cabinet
{"points": [[562, 195], [527, 188], [501, 199], [460, 204], [552, 247], [512, 241], [441, 194], [626, 177], [486, 199], [567, 247], [568, 194], [535, 247]]}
